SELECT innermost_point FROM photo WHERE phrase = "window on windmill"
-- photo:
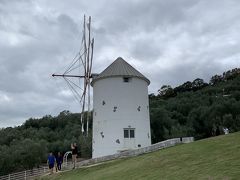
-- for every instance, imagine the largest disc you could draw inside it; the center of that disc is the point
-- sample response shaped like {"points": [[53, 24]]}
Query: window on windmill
{"points": [[103, 103], [129, 133], [126, 133], [126, 79], [132, 133], [139, 108], [114, 108], [102, 134]]}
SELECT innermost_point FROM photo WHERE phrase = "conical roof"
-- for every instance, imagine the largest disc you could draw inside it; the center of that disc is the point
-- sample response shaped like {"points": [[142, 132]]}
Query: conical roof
{"points": [[120, 68]]}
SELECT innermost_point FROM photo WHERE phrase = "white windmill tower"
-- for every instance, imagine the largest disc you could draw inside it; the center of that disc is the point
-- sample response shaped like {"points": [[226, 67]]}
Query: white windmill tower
{"points": [[120, 100], [120, 109]]}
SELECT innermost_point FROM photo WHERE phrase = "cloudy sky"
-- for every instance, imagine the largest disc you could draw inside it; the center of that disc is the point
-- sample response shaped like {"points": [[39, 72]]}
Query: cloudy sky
{"points": [[169, 41]]}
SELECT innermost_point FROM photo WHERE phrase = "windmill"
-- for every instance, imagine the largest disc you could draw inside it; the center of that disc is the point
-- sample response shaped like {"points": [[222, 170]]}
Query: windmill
{"points": [[81, 69]]}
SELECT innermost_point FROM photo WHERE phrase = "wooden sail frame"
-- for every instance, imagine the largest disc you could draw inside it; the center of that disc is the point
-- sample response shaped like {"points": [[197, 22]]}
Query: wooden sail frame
{"points": [[85, 59]]}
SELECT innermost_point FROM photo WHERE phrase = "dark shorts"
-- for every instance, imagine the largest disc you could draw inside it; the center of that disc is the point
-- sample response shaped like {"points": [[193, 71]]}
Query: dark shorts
{"points": [[51, 166]]}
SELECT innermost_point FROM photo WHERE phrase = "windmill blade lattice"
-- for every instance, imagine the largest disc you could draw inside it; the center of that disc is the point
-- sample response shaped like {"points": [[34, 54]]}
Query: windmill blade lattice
{"points": [[81, 69]]}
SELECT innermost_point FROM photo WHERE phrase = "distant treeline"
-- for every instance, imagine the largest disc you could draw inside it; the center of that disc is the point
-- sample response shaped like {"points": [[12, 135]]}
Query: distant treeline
{"points": [[195, 108], [166, 91]]}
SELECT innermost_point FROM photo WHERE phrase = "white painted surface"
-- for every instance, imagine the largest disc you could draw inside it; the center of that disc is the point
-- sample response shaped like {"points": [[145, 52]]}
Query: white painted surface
{"points": [[108, 125]]}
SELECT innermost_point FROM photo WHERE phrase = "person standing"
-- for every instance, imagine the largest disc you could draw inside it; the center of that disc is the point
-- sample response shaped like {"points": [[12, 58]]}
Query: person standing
{"points": [[74, 154], [51, 162], [59, 160]]}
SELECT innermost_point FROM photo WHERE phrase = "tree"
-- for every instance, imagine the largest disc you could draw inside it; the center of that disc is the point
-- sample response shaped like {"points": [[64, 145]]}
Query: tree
{"points": [[198, 84], [216, 79], [166, 91]]}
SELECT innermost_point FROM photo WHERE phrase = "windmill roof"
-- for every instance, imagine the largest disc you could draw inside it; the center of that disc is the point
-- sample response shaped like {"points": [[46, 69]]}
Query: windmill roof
{"points": [[120, 68]]}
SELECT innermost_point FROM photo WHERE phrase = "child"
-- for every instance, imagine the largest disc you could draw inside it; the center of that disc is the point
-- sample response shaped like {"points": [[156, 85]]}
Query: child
{"points": [[59, 161], [51, 162]]}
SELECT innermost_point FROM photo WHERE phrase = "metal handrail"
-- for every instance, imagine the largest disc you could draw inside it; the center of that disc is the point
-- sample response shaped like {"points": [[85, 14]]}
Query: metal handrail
{"points": [[24, 175]]}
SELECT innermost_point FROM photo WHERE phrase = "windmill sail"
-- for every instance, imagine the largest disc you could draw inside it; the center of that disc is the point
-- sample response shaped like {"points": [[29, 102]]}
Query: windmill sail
{"points": [[82, 66]]}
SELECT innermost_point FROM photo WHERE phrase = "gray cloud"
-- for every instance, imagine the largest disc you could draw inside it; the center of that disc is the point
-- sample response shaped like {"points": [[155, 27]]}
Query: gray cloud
{"points": [[169, 41]]}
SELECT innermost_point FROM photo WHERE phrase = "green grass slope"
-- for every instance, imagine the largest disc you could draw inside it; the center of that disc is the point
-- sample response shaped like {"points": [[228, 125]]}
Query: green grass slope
{"points": [[212, 158]]}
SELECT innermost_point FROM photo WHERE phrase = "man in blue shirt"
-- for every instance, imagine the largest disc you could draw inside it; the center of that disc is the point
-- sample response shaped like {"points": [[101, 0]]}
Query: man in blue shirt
{"points": [[51, 162]]}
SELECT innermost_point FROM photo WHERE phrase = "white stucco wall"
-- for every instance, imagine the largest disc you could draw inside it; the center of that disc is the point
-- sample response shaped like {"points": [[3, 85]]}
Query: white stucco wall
{"points": [[127, 97]]}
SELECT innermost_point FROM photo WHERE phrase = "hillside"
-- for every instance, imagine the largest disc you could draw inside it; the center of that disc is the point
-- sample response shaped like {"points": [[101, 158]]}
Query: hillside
{"points": [[197, 108], [212, 158], [194, 108]]}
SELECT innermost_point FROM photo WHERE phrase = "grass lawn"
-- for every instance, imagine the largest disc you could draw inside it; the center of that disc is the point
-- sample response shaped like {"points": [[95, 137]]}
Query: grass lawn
{"points": [[212, 158]]}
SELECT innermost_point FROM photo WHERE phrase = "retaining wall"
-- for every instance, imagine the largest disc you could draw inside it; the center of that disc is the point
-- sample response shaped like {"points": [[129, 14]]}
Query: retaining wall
{"points": [[135, 152]]}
